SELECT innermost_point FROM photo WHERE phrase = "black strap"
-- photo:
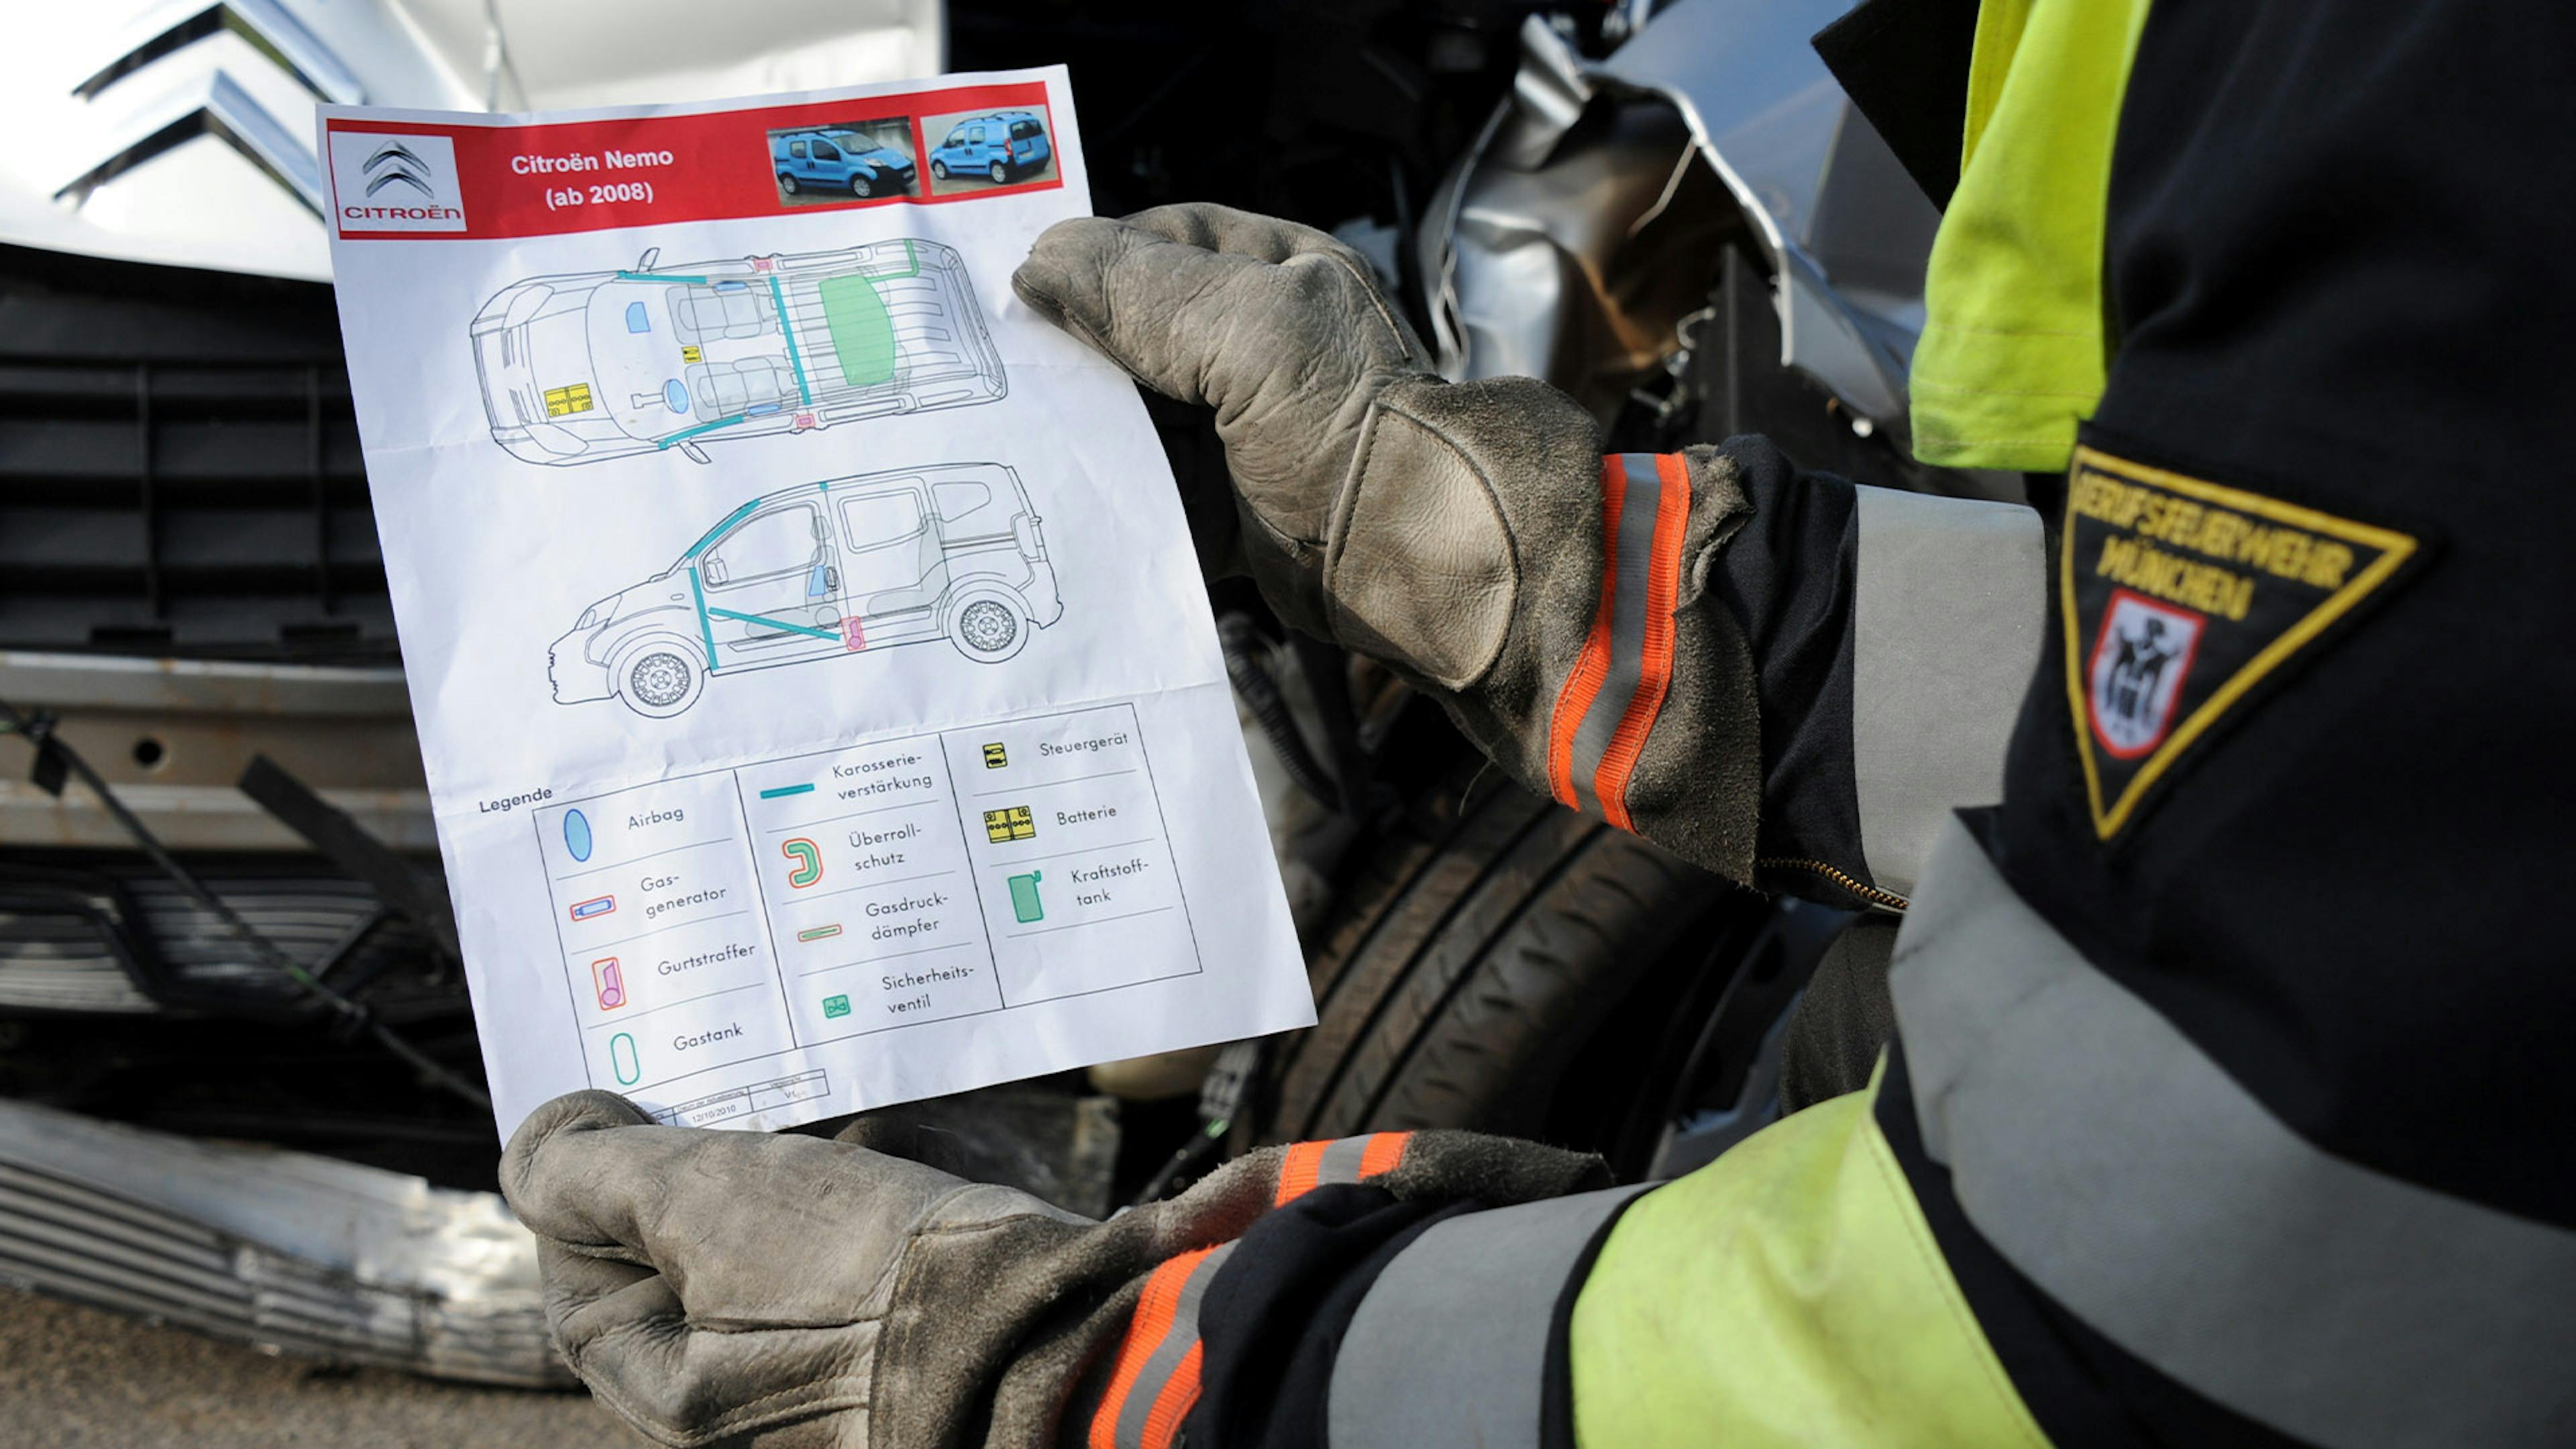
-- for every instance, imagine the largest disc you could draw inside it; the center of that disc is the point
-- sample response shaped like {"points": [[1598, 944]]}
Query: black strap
{"points": [[419, 897]]}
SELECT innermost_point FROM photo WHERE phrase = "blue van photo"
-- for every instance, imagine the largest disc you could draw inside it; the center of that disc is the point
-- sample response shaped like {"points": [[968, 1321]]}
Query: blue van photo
{"points": [[836, 160], [1000, 147]]}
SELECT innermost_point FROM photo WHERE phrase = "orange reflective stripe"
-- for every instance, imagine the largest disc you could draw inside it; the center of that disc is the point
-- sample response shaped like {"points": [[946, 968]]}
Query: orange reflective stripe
{"points": [[1180, 1394], [1385, 1150], [1155, 1310], [1655, 671], [1608, 704], [1297, 1171], [1155, 1382], [1310, 1165], [1593, 665]]}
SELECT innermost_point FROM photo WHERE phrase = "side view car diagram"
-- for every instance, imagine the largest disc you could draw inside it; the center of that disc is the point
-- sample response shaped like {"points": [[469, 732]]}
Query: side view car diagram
{"points": [[596, 365], [846, 566]]}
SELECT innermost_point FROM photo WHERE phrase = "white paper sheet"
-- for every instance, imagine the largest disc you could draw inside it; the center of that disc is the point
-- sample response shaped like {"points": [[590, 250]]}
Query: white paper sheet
{"points": [[819, 697]]}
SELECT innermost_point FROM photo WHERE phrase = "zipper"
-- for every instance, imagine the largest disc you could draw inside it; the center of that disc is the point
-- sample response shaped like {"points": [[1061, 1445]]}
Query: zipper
{"points": [[1885, 900]]}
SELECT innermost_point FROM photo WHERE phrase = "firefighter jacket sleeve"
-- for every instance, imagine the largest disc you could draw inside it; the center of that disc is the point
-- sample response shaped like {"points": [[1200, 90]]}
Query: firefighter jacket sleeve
{"points": [[788, 1292], [1781, 677]]}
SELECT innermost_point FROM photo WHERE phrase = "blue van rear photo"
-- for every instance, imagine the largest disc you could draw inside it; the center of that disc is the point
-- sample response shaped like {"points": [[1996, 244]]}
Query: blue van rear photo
{"points": [[1000, 147], [837, 160]]}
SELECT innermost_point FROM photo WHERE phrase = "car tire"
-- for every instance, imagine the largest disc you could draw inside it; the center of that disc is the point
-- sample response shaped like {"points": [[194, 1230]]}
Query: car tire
{"points": [[787, 183], [938, 170], [1001, 174], [1505, 966], [658, 677], [859, 186], [989, 628]]}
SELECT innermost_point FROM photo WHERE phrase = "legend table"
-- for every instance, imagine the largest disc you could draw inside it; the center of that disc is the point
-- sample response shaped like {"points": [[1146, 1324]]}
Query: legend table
{"points": [[714, 919]]}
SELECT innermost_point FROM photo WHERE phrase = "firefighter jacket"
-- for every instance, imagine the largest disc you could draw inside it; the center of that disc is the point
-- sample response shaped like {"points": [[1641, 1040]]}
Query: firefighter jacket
{"points": [[2223, 795]]}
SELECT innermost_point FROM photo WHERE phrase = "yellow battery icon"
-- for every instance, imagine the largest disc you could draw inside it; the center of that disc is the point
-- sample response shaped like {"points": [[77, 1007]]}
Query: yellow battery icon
{"points": [[1012, 822]]}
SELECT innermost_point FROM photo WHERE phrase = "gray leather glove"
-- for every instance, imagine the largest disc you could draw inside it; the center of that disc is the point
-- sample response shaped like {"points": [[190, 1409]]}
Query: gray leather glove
{"points": [[1368, 513], [793, 1293], [1455, 531]]}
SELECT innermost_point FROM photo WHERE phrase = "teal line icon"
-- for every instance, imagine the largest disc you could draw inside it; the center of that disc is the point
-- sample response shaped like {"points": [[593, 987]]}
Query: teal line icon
{"points": [[784, 790], [784, 626], [684, 434], [795, 359], [1024, 898], [621, 1057]]}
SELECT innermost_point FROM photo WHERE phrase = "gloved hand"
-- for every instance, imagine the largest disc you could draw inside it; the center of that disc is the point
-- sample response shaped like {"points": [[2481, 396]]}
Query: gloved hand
{"points": [[1372, 492], [795, 1293], [1458, 531]]}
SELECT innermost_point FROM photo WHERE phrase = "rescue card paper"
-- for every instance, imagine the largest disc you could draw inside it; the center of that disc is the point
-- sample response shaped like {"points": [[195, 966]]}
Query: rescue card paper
{"points": [[819, 697]]}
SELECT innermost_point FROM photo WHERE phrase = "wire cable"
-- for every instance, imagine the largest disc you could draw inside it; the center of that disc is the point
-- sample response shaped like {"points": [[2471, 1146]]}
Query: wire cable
{"points": [[39, 731]]}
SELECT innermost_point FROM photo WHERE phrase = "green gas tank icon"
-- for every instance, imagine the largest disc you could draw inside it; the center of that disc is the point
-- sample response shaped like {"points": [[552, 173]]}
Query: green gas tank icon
{"points": [[1024, 897]]}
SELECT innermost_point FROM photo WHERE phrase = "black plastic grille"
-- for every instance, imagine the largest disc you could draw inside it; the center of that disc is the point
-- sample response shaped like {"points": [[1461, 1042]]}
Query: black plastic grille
{"points": [[179, 467], [99, 932]]}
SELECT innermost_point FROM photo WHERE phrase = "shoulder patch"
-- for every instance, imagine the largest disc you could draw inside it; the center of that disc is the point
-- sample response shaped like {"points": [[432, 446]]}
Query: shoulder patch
{"points": [[2180, 596]]}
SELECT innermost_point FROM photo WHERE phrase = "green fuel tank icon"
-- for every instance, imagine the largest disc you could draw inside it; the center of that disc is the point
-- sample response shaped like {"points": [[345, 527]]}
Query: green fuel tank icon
{"points": [[1024, 897]]}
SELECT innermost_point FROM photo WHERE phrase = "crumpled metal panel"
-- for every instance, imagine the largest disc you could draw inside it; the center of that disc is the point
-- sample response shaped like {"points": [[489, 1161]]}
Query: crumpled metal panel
{"points": [[1754, 92], [282, 1250], [1574, 246], [1567, 166]]}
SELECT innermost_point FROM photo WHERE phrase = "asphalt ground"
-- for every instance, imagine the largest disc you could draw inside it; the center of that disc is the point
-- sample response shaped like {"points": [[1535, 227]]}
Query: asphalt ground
{"points": [[80, 1378]]}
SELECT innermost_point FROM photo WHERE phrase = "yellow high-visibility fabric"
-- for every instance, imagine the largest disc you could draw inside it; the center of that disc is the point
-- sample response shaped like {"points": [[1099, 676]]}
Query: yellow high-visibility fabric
{"points": [[1789, 1293], [2014, 347]]}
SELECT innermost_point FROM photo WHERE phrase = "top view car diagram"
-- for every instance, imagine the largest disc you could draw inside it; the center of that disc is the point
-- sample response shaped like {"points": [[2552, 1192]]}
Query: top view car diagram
{"points": [[838, 567], [596, 365], [1002, 146], [838, 161]]}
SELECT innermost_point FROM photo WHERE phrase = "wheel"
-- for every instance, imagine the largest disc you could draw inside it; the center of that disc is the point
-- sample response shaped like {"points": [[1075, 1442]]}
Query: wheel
{"points": [[859, 185], [1001, 173], [659, 677], [939, 170], [989, 630], [787, 183], [1507, 966]]}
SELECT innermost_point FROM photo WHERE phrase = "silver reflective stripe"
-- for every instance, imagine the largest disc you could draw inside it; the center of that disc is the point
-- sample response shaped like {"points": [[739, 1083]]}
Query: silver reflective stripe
{"points": [[2127, 1174], [1950, 601], [1641, 500], [1449, 1348], [1166, 1358], [1341, 1161]]}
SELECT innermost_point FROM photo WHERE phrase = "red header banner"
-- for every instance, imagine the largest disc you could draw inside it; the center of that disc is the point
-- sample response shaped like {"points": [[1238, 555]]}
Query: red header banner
{"points": [[422, 180]]}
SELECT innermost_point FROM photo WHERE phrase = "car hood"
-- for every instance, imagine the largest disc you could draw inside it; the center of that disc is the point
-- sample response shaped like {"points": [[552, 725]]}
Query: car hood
{"points": [[881, 156], [95, 88]]}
